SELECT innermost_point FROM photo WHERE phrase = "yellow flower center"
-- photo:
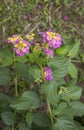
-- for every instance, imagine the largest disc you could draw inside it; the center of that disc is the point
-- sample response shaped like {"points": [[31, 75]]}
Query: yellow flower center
{"points": [[51, 35]]}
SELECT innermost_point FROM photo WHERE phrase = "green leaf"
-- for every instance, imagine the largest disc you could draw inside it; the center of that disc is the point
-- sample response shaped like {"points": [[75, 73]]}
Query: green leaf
{"points": [[20, 69], [28, 100], [82, 55], [23, 71], [42, 120], [8, 128], [59, 66], [78, 108], [4, 97], [60, 82], [64, 124], [36, 127], [62, 50], [60, 108], [78, 126], [7, 61], [63, 110], [28, 73], [50, 90], [73, 93], [32, 57], [23, 126], [75, 50], [72, 70], [5, 52], [66, 39], [36, 59], [8, 118], [21, 59], [72, 83], [29, 118], [35, 73], [4, 76], [4, 101]]}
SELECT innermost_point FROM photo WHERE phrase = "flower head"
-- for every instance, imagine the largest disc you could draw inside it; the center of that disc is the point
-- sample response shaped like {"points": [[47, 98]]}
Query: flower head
{"points": [[14, 38], [65, 17], [39, 6], [48, 73], [54, 39], [30, 37], [62, 90], [20, 46], [49, 52]]}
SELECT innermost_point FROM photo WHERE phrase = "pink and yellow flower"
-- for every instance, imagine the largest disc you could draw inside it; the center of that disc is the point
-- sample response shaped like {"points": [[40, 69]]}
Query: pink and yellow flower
{"points": [[13, 39], [21, 46], [48, 73], [49, 52], [53, 39]]}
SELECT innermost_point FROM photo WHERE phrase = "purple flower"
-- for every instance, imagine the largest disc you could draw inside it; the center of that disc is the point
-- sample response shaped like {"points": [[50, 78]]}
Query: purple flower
{"points": [[54, 39], [8, 41], [16, 41], [48, 73], [26, 42], [39, 6], [49, 52], [34, 43], [65, 17], [21, 52], [21, 47]]}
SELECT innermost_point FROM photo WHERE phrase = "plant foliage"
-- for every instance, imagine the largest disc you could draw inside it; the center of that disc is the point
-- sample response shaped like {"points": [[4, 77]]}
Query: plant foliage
{"points": [[40, 96]]}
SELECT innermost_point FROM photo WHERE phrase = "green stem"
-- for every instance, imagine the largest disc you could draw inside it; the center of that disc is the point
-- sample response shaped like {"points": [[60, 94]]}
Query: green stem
{"points": [[15, 80], [16, 93], [76, 61], [15, 85], [12, 127], [50, 112], [16, 89]]}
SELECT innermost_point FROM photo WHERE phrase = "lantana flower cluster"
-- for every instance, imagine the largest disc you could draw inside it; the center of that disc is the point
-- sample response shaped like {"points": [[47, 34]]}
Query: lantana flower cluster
{"points": [[21, 46], [49, 52], [51, 41], [48, 73]]}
